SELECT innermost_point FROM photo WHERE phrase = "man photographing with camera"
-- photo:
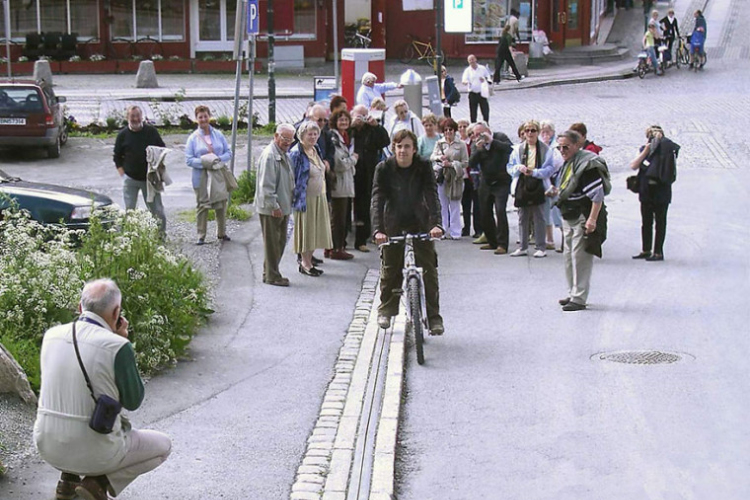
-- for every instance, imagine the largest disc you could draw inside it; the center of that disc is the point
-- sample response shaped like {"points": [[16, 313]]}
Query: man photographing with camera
{"points": [[88, 372]]}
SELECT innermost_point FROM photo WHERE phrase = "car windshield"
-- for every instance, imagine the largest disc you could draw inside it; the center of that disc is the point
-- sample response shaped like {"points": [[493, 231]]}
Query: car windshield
{"points": [[20, 99]]}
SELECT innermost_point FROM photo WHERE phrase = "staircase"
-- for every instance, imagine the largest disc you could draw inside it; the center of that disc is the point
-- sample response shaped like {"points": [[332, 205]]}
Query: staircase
{"points": [[589, 55]]}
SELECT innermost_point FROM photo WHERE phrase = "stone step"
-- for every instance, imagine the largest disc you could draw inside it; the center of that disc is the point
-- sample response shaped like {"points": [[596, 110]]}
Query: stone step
{"points": [[578, 56]]}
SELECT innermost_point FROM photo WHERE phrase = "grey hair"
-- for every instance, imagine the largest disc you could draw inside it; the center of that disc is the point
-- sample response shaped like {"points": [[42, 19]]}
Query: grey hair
{"points": [[401, 103], [100, 296], [547, 124], [483, 124], [284, 126], [133, 107], [305, 127], [571, 135]]}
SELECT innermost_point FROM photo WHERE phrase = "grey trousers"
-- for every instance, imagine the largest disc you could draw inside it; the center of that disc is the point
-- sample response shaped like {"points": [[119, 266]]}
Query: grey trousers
{"points": [[578, 262], [274, 241], [202, 218], [130, 189], [524, 223], [147, 450]]}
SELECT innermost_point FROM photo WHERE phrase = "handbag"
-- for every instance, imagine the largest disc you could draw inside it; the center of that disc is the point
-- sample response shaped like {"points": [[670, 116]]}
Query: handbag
{"points": [[632, 183], [529, 191], [106, 408]]}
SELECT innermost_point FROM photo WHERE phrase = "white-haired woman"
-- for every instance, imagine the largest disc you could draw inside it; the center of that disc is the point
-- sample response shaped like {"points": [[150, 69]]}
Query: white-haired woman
{"points": [[405, 119], [552, 216], [312, 225], [370, 90]]}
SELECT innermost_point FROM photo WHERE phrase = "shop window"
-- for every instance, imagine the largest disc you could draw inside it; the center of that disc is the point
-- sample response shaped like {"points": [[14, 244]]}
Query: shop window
{"points": [[304, 17], [491, 15], [147, 19], [158, 19], [231, 15], [62, 16], [122, 19], [81, 19], [22, 18], [54, 16]]}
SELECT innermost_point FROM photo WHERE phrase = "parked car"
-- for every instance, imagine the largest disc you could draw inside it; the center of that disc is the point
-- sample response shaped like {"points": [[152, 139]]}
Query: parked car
{"points": [[31, 115], [50, 203]]}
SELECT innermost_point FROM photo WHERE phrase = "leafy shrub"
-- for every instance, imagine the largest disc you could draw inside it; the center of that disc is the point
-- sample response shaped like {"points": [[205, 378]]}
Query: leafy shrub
{"points": [[43, 269], [245, 193]]}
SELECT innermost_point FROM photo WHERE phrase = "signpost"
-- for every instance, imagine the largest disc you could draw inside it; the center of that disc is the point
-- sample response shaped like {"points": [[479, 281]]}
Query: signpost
{"points": [[239, 36], [253, 28], [6, 19], [458, 16]]}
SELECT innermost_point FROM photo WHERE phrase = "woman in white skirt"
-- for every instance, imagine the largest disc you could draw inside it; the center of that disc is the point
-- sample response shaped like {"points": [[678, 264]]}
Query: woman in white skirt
{"points": [[312, 224]]}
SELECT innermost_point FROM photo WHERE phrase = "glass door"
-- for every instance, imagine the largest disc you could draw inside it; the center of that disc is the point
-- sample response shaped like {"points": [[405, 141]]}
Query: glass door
{"points": [[567, 25]]}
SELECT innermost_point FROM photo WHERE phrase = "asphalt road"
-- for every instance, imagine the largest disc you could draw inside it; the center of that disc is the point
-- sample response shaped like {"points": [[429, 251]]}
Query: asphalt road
{"points": [[515, 401]]}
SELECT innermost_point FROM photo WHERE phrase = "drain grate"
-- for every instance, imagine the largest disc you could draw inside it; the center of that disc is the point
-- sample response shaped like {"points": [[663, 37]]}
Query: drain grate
{"points": [[640, 357]]}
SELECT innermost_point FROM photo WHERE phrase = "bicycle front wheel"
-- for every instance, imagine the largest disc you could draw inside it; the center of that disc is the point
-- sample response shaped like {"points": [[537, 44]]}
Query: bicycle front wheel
{"points": [[415, 313], [684, 56], [408, 55]]}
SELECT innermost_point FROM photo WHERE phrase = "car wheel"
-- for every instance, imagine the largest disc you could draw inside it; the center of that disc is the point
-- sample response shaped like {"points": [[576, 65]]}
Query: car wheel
{"points": [[54, 150], [64, 135]]}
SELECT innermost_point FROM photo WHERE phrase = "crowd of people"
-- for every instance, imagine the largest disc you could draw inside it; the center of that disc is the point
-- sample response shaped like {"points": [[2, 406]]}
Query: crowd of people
{"points": [[663, 32]]}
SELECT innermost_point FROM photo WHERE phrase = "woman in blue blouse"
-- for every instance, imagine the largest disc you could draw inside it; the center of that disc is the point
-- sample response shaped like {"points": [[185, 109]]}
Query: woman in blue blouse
{"points": [[207, 150]]}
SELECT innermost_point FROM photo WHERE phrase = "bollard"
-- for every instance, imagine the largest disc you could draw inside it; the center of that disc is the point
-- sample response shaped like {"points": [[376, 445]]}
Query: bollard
{"points": [[146, 77], [43, 72], [412, 83]]}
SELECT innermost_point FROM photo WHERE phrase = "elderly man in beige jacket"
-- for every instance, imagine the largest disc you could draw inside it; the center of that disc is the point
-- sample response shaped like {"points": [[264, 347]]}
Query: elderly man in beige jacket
{"points": [[109, 462], [273, 201]]}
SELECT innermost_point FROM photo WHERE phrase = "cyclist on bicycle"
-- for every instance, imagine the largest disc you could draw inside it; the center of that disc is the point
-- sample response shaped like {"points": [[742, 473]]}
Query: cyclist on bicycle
{"points": [[697, 39], [405, 200]]}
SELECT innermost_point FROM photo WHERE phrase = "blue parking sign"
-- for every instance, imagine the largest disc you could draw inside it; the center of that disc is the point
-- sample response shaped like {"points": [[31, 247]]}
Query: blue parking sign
{"points": [[253, 17]]}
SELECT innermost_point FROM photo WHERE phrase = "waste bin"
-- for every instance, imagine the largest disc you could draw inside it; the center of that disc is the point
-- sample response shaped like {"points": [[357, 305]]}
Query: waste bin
{"points": [[412, 83]]}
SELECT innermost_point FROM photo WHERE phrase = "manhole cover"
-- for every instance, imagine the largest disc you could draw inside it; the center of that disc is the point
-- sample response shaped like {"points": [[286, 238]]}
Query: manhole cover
{"points": [[640, 357]]}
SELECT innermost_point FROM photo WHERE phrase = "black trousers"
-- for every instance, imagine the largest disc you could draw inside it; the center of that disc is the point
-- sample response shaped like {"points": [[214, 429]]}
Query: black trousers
{"points": [[494, 197], [391, 277], [339, 208], [505, 56], [362, 198], [653, 213], [469, 200], [476, 99]]}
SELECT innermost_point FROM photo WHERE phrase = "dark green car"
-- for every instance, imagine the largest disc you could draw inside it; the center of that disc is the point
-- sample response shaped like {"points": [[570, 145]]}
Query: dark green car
{"points": [[50, 203]]}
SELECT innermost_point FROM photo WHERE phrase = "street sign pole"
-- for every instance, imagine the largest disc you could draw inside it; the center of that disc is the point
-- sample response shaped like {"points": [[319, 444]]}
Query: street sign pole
{"points": [[250, 113], [253, 24], [271, 67], [336, 42], [6, 11], [239, 36]]}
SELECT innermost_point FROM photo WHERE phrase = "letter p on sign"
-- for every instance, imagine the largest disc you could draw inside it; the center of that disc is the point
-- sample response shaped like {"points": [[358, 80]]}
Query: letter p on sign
{"points": [[253, 19]]}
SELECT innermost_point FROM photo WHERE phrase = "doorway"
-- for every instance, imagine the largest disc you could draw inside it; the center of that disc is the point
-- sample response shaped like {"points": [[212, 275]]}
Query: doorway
{"points": [[567, 23]]}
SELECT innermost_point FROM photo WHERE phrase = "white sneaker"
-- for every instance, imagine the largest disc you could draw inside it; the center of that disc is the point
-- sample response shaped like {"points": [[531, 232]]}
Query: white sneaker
{"points": [[539, 254], [519, 253]]}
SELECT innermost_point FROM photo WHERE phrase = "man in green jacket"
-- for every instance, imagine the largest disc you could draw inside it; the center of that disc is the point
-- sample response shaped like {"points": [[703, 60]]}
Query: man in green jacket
{"points": [[62, 434]]}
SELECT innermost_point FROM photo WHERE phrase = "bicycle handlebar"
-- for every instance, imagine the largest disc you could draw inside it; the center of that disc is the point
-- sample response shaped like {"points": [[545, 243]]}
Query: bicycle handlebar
{"points": [[399, 239]]}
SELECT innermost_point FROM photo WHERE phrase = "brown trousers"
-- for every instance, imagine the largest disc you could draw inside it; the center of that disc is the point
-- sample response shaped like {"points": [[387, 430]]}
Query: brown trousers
{"points": [[274, 241]]}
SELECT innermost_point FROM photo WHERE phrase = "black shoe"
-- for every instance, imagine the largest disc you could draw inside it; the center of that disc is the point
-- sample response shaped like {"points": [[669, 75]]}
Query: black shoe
{"points": [[574, 306], [224, 238], [315, 269], [657, 257], [564, 302], [316, 261], [309, 272], [466, 232], [643, 255], [201, 241]]}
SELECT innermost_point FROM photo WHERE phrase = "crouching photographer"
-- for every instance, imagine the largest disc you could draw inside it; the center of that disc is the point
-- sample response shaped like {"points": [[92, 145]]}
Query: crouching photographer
{"points": [[89, 374]]}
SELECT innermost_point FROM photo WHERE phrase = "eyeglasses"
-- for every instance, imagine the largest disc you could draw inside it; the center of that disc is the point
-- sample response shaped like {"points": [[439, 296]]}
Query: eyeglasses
{"points": [[322, 120], [286, 139], [563, 147], [531, 131]]}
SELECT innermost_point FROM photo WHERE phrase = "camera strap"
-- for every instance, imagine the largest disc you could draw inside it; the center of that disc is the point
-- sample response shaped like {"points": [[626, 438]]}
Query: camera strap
{"points": [[80, 362]]}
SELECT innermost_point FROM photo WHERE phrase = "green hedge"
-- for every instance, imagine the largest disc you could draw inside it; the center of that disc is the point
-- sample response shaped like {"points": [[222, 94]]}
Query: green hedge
{"points": [[44, 268]]}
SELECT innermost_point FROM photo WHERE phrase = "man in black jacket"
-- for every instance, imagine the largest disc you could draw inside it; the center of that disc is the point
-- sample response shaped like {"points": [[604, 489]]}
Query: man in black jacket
{"points": [[369, 139], [130, 160], [490, 156], [405, 200]]}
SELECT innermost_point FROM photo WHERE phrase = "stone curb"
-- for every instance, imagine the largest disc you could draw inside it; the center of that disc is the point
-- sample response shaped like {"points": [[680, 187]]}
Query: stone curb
{"points": [[326, 465]]}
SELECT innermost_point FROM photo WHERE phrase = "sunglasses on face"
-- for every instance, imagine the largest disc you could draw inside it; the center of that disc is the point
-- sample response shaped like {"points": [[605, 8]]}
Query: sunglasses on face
{"points": [[531, 131], [563, 147]]}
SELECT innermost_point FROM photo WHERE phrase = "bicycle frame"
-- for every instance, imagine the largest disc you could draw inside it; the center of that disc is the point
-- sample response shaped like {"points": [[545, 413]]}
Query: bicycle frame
{"points": [[424, 49], [412, 270]]}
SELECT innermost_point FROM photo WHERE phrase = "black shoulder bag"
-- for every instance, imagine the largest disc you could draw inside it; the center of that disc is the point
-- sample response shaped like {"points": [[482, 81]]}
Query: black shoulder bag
{"points": [[106, 410]]}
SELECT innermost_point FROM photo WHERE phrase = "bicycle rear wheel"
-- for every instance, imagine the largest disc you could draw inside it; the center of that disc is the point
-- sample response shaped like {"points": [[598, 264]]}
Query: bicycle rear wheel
{"points": [[431, 59], [408, 55], [684, 56], [415, 307]]}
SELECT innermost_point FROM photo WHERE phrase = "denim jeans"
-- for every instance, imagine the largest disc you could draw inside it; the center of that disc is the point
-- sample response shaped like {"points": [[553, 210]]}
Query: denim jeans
{"points": [[130, 189]]}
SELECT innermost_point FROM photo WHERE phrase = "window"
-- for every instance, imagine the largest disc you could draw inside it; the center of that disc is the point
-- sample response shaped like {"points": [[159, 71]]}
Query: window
{"points": [[23, 18], [209, 16], [54, 15], [158, 19], [304, 17], [81, 19], [491, 16], [231, 16]]}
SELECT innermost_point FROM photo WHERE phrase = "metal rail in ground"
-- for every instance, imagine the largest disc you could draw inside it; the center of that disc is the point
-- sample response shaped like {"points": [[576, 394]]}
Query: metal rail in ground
{"points": [[360, 479]]}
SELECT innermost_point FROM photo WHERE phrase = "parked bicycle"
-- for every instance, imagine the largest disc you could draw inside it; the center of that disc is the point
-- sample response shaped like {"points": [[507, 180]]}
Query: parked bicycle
{"points": [[423, 51], [682, 54], [358, 35], [413, 287]]}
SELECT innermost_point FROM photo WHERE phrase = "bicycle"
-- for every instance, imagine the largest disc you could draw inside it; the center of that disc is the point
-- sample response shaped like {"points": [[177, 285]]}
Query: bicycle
{"points": [[413, 287], [423, 51], [645, 66], [358, 35], [700, 56], [682, 56]]}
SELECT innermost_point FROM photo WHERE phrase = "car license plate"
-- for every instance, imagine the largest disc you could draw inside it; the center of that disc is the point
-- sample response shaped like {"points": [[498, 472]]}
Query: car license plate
{"points": [[12, 121]]}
